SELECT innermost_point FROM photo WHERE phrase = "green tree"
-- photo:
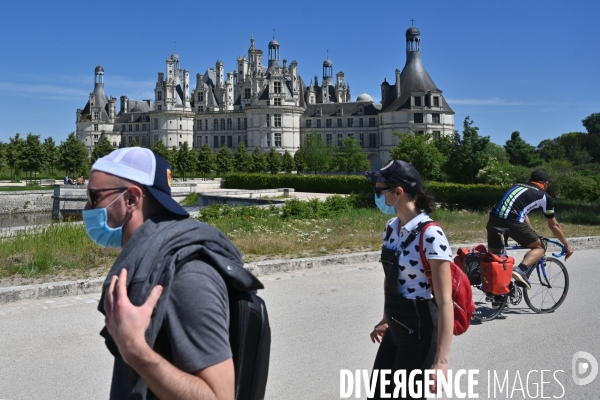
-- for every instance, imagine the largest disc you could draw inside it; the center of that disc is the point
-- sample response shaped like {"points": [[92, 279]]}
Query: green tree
{"points": [[273, 159], [103, 148], [206, 160], [469, 154], [287, 162], [32, 159], [421, 153], [550, 149], [592, 124], [520, 152], [73, 156], [572, 146], [299, 162], [13, 154], [186, 159], [172, 160], [314, 153], [3, 163], [50, 155], [134, 143], [160, 149], [259, 164], [350, 157], [224, 160], [242, 162]]}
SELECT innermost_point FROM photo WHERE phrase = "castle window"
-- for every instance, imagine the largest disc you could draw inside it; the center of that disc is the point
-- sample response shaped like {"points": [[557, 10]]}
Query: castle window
{"points": [[216, 124], [96, 115], [215, 142], [198, 141], [144, 141], [361, 139], [143, 127], [123, 128], [130, 128], [329, 139], [372, 140], [222, 141], [137, 140], [205, 124], [268, 102], [309, 123], [114, 144], [180, 127], [137, 127], [328, 123], [96, 137], [435, 118], [277, 120], [158, 96], [155, 124], [155, 138], [246, 140], [239, 139], [96, 127], [222, 124], [245, 123], [268, 120], [201, 96], [318, 123], [371, 122], [159, 107], [229, 124], [340, 139], [277, 139], [199, 124], [361, 122], [230, 141], [239, 124], [351, 135], [350, 122], [339, 122], [129, 139], [277, 101], [436, 101], [418, 118], [417, 101], [436, 135], [276, 87], [247, 93]]}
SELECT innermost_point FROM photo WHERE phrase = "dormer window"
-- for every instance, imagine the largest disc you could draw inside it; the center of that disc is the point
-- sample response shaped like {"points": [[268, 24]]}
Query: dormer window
{"points": [[159, 95], [360, 109], [436, 101], [96, 115], [276, 87], [417, 101]]}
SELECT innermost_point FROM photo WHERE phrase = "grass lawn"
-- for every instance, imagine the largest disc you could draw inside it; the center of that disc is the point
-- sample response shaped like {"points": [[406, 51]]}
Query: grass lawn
{"points": [[64, 251], [24, 188]]}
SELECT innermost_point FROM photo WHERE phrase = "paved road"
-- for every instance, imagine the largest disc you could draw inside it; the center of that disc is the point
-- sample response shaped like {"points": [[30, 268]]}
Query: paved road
{"points": [[320, 321]]}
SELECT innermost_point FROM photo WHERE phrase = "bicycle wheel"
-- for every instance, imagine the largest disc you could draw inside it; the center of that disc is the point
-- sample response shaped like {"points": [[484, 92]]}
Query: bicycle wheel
{"points": [[547, 292], [487, 307]]}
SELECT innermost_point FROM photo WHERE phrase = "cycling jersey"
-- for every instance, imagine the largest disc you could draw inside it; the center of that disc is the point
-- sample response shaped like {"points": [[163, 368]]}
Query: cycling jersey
{"points": [[520, 200]]}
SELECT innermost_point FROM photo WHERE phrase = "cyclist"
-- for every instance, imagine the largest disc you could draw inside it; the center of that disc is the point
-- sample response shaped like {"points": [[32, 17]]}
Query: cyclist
{"points": [[512, 212]]}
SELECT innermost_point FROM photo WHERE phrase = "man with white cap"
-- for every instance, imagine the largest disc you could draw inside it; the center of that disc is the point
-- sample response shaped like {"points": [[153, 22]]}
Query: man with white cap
{"points": [[165, 302]]}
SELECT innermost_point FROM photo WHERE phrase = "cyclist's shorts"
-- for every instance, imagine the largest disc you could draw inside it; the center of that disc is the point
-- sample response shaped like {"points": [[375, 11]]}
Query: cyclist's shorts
{"points": [[519, 231]]}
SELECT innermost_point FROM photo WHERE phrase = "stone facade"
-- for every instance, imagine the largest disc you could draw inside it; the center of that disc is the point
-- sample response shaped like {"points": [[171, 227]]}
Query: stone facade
{"points": [[30, 201], [269, 106]]}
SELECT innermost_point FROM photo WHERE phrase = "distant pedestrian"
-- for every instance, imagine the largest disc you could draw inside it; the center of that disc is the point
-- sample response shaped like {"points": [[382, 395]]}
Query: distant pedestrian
{"points": [[167, 328], [415, 332]]}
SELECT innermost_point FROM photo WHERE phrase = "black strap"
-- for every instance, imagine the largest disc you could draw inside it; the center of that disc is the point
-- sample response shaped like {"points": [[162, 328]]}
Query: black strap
{"points": [[413, 234]]}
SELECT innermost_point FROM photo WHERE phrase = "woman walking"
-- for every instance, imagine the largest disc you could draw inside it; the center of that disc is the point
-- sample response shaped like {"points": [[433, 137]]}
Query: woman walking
{"points": [[415, 332]]}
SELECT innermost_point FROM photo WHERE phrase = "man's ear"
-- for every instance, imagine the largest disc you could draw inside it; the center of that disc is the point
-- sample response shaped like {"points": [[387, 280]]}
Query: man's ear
{"points": [[134, 196]]}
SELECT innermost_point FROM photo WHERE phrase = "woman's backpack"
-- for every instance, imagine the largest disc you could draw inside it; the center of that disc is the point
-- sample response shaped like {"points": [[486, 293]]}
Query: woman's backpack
{"points": [[462, 294]]}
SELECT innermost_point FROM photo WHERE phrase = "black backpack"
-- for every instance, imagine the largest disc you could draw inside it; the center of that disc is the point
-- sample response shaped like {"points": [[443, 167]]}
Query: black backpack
{"points": [[249, 333]]}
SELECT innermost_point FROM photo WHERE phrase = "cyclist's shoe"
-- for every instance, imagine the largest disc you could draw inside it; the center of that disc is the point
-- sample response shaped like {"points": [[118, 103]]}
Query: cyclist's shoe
{"points": [[497, 302], [520, 278]]}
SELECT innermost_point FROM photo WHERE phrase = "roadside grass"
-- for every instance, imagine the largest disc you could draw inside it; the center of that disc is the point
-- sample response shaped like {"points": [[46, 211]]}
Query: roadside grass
{"points": [[64, 250], [24, 188]]}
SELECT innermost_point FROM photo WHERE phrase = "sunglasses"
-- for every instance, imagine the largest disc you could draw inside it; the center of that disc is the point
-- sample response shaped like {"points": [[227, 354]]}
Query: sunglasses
{"points": [[379, 190], [93, 195]]}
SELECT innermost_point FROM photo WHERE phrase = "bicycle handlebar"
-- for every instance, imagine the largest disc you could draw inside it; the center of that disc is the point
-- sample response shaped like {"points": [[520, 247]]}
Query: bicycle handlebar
{"points": [[562, 248]]}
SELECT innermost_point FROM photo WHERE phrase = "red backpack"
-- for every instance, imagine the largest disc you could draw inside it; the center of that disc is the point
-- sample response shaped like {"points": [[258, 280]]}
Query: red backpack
{"points": [[462, 294]]}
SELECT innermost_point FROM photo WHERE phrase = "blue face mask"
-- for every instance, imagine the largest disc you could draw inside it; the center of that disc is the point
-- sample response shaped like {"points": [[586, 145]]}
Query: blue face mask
{"points": [[96, 225], [380, 202]]}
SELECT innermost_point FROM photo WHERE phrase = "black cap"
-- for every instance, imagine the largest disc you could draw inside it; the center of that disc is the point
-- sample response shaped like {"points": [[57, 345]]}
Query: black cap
{"points": [[397, 172], [161, 188], [539, 176]]}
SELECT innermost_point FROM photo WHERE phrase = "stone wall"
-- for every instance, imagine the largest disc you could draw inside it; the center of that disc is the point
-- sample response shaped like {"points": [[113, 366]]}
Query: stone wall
{"points": [[28, 201]]}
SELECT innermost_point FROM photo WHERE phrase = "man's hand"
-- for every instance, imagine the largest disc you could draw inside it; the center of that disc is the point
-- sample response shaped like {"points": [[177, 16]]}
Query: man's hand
{"points": [[440, 368], [127, 323], [379, 331], [569, 251]]}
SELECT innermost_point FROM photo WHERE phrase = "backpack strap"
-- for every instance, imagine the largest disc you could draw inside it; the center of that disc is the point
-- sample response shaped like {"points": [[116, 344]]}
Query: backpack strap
{"points": [[423, 228], [413, 234]]}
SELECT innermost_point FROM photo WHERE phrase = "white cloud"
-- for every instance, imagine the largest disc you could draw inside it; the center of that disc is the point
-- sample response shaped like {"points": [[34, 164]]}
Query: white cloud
{"points": [[43, 91]]}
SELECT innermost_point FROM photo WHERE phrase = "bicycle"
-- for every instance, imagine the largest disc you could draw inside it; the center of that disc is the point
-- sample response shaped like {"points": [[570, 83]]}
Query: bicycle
{"points": [[547, 293]]}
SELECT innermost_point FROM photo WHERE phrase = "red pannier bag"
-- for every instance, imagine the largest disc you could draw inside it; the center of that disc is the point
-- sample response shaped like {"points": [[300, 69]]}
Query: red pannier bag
{"points": [[461, 257], [462, 294], [496, 273]]}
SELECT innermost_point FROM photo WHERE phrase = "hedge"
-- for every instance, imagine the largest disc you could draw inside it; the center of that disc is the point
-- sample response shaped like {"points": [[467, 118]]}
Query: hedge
{"points": [[449, 195]]}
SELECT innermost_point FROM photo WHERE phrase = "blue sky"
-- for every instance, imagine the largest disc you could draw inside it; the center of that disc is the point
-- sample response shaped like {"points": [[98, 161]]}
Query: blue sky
{"points": [[530, 66]]}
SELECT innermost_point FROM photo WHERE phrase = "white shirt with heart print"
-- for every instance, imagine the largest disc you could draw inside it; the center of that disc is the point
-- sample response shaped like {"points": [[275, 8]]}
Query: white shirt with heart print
{"points": [[412, 282]]}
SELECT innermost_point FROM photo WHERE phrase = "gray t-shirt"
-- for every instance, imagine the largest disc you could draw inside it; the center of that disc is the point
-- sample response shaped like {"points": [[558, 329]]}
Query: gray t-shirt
{"points": [[195, 334]]}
